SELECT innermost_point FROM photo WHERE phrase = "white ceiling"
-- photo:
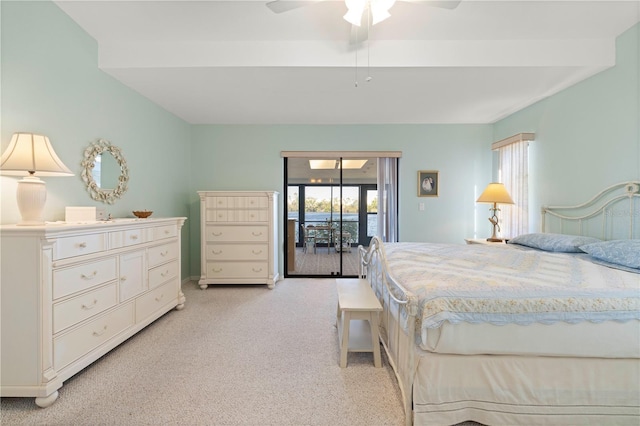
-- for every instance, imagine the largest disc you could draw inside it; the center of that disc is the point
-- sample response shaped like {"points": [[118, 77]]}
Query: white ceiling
{"points": [[236, 61]]}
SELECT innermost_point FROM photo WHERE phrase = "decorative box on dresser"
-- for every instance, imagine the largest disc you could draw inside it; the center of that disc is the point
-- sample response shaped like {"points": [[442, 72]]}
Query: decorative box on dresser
{"points": [[72, 292], [238, 237]]}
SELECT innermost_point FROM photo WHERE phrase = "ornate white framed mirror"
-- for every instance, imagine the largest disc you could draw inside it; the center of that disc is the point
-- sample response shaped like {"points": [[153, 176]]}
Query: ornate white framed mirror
{"points": [[104, 171]]}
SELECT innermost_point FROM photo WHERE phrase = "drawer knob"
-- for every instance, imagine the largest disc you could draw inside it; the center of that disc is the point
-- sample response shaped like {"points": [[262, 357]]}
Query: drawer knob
{"points": [[159, 298], [216, 252], [257, 269], [217, 270], [216, 234], [82, 245], [256, 234], [123, 278], [164, 253], [166, 231], [134, 237], [90, 276], [101, 332], [164, 274], [89, 307], [256, 251]]}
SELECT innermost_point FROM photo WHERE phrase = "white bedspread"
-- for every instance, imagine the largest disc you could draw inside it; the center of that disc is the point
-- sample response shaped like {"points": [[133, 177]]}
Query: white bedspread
{"points": [[504, 285]]}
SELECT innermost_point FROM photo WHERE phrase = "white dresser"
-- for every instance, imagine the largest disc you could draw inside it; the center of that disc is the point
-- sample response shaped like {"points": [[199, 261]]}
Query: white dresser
{"points": [[238, 237], [71, 293]]}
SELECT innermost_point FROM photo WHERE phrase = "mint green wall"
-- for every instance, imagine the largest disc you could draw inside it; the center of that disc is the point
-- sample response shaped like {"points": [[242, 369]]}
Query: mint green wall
{"points": [[587, 136], [51, 84], [226, 157]]}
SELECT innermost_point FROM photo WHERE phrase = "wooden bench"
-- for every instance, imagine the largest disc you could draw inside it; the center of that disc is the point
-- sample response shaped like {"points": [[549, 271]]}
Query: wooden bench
{"points": [[358, 309]]}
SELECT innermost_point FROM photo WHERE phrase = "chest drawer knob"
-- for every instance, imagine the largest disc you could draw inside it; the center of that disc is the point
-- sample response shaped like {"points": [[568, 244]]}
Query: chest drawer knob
{"points": [[164, 253], [123, 278], [217, 270], [100, 332], [256, 251], [90, 276], [89, 307], [216, 252], [133, 237], [256, 234], [216, 234], [159, 298], [256, 269], [82, 245]]}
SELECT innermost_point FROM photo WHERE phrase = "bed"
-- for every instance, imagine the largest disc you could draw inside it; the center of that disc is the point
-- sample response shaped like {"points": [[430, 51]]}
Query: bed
{"points": [[543, 330]]}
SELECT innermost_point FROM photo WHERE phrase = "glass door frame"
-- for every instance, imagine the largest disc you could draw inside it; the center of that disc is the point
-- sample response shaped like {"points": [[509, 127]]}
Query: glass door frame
{"points": [[301, 219]]}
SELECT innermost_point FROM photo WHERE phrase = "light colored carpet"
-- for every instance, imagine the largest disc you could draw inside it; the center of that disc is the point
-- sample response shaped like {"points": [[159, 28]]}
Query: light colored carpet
{"points": [[236, 355]]}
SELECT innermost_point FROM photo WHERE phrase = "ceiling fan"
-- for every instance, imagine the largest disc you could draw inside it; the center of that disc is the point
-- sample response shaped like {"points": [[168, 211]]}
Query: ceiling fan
{"points": [[374, 10]]}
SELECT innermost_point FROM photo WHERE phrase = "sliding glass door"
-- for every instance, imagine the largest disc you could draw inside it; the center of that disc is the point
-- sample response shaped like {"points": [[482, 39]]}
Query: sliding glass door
{"points": [[331, 208]]}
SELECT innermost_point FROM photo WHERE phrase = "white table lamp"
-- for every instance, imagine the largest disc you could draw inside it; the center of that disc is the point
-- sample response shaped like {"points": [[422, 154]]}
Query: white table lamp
{"points": [[29, 154], [495, 193]]}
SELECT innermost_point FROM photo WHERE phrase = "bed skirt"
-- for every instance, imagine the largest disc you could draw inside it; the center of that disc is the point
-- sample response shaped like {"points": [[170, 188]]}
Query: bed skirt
{"points": [[520, 390]]}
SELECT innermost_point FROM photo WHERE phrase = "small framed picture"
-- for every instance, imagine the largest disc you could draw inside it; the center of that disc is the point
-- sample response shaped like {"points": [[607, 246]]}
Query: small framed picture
{"points": [[428, 183]]}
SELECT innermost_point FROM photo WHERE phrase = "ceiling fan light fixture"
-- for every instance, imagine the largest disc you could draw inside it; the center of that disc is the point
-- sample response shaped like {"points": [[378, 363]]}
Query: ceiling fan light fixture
{"points": [[355, 11], [380, 10], [378, 15]]}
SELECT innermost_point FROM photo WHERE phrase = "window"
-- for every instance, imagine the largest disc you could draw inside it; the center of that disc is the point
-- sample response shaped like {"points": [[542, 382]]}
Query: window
{"points": [[513, 172]]}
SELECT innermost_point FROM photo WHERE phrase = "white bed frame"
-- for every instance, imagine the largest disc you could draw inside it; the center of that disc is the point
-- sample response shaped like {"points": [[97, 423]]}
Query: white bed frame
{"points": [[611, 214]]}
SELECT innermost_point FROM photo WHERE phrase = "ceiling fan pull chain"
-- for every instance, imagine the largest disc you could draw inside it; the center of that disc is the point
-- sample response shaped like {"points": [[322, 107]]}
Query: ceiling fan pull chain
{"points": [[356, 51], [369, 34]]}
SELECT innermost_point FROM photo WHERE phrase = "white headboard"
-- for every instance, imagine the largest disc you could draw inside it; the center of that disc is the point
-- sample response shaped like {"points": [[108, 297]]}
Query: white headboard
{"points": [[612, 214]]}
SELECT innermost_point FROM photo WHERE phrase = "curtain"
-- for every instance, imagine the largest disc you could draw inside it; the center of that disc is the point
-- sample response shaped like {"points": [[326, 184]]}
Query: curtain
{"points": [[388, 199], [514, 174]]}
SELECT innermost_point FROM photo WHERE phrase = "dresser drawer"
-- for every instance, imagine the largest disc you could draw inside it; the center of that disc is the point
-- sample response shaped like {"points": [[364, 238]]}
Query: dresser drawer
{"points": [[133, 274], [237, 269], [237, 252], [82, 277], [78, 342], [127, 238], [162, 273], [217, 216], [237, 233], [78, 309], [251, 203], [217, 202], [157, 298], [237, 216], [162, 232], [162, 254], [78, 245]]}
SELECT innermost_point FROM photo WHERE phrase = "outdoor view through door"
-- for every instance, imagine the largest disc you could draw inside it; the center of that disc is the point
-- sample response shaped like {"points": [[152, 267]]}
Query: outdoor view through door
{"points": [[331, 209]]}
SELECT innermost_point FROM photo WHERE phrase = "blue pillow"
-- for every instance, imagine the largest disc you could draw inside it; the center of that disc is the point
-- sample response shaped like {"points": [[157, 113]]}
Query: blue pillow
{"points": [[620, 252], [554, 242]]}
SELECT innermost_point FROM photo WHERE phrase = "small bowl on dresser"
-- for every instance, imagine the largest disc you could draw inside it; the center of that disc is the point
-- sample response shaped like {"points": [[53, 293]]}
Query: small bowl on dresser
{"points": [[142, 214]]}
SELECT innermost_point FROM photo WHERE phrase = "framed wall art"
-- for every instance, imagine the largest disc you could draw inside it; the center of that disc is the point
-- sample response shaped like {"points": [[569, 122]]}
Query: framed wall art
{"points": [[428, 183]]}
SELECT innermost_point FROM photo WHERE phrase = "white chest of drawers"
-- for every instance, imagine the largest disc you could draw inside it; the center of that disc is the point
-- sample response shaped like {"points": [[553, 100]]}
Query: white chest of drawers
{"points": [[238, 237], [71, 293]]}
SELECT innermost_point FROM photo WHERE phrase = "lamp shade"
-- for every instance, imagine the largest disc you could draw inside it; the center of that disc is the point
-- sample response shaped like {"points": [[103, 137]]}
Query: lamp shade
{"points": [[495, 193], [30, 153]]}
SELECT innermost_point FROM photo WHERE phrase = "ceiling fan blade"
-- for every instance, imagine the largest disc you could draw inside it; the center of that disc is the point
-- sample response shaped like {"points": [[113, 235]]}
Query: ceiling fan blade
{"points": [[444, 4], [358, 34], [280, 6]]}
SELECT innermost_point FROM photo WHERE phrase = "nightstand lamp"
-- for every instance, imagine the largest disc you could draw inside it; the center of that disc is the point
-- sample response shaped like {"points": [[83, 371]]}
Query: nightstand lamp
{"points": [[495, 193], [29, 154]]}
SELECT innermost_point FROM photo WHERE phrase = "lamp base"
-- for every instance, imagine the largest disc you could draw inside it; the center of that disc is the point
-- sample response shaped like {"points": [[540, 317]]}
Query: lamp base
{"points": [[31, 195], [495, 240]]}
